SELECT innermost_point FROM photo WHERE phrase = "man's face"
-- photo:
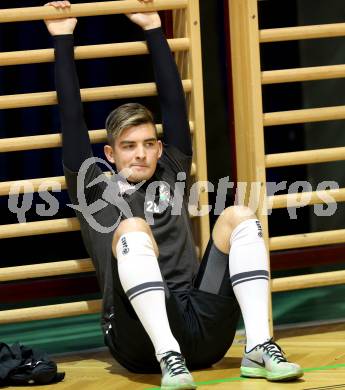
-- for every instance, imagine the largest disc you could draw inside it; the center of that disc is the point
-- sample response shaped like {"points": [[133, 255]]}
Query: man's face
{"points": [[138, 149]]}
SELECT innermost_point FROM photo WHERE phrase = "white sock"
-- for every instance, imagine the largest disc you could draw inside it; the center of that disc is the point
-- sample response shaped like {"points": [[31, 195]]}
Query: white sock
{"points": [[142, 282], [248, 263]]}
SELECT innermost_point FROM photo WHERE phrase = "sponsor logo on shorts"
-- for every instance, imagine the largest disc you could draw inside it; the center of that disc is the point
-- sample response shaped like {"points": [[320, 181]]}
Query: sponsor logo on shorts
{"points": [[125, 248]]}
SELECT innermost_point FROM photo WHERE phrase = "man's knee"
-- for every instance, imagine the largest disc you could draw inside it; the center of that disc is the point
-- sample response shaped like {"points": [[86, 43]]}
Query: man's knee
{"points": [[130, 225], [228, 220], [234, 215]]}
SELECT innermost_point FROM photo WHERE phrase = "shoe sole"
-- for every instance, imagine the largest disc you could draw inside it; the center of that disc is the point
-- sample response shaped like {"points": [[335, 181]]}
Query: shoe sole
{"points": [[179, 387], [262, 373]]}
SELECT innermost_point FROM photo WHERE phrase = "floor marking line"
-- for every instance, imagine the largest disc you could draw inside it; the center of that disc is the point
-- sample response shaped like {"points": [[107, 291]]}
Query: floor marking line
{"points": [[323, 368], [325, 387], [234, 379]]}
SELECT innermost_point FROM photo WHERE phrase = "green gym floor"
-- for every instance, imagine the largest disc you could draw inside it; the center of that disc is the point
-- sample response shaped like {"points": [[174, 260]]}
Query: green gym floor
{"points": [[326, 304]]}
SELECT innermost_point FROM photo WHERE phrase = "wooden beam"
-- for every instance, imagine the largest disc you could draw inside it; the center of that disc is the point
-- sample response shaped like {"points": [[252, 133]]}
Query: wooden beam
{"points": [[87, 9]]}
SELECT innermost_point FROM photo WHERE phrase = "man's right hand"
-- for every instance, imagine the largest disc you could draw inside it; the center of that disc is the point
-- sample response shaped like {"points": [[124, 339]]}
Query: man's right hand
{"points": [[60, 26]]}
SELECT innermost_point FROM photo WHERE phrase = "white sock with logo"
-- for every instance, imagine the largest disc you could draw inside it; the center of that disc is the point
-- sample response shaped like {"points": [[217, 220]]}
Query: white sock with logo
{"points": [[248, 264], [142, 282]]}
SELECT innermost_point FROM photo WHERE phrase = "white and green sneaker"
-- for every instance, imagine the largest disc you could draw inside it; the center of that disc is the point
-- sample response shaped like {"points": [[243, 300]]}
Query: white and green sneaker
{"points": [[267, 360], [175, 374]]}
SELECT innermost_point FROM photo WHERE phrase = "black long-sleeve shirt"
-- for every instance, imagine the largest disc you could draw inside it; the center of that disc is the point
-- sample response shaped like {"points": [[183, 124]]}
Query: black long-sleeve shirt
{"points": [[172, 231], [76, 142]]}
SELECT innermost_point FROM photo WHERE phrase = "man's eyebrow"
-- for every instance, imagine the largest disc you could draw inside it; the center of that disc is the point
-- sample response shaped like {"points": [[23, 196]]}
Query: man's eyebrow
{"points": [[127, 142], [134, 142]]}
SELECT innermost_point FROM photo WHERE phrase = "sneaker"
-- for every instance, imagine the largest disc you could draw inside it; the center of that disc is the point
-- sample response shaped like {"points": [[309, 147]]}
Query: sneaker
{"points": [[267, 360], [175, 374]]}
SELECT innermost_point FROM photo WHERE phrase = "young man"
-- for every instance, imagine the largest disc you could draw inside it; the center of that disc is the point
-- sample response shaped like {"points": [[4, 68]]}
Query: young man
{"points": [[159, 306]]}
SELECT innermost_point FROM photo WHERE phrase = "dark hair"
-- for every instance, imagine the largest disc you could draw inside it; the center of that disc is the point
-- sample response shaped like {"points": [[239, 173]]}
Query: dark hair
{"points": [[125, 116]]}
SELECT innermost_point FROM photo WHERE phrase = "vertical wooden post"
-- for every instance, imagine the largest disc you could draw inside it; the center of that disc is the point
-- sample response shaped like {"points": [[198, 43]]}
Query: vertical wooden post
{"points": [[249, 130], [187, 23]]}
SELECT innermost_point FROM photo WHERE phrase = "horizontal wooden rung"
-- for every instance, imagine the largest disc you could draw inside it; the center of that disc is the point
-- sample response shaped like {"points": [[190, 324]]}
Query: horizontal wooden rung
{"points": [[308, 281], [88, 9], [87, 52], [87, 95], [45, 269], [302, 32], [304, 116], [306, 198], [302, 74], [46, 141], [314, 156], [62, 225], [50, 311], [307, 239], [33, 142]]}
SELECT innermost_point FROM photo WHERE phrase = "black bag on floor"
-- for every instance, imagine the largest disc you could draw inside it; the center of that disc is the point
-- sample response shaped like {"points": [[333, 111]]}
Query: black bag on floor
{"points": [[21, 365]]}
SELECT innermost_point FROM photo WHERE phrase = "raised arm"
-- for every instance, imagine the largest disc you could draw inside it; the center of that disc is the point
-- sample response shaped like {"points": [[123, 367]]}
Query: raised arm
{"points": [[170, 91], [76, 145]]}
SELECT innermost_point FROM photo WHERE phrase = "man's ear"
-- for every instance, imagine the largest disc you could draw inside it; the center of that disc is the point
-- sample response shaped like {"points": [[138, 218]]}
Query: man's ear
{"points": [[160, 150], [109, 153]]}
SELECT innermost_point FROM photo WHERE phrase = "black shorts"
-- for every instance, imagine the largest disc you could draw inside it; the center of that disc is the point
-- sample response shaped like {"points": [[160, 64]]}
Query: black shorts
{"points": [[203, 323]]}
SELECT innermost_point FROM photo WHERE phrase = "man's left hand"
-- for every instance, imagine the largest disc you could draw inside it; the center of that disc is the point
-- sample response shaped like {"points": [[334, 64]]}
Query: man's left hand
{"points": [[146, 20]]}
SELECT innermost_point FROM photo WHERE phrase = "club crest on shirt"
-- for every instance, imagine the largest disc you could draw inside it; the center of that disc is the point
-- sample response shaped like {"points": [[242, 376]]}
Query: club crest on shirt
{"points": [[164, 193], [157, 203]]}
